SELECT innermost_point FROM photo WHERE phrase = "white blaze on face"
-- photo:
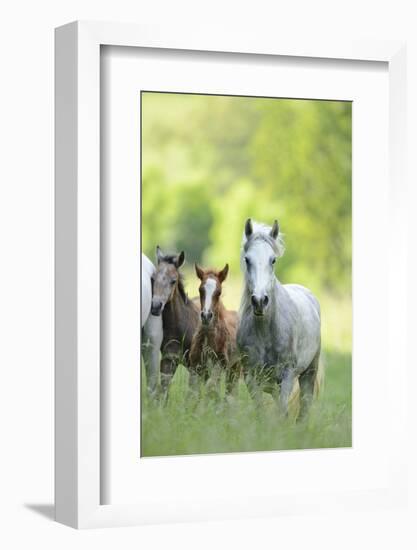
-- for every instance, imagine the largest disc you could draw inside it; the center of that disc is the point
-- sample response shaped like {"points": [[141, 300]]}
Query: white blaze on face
{"points": [[209, 287]]}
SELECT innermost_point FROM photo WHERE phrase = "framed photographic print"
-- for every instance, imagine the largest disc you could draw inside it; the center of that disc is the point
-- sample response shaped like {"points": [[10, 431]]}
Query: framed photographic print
{"points": [[254, 155], [223, 207]]}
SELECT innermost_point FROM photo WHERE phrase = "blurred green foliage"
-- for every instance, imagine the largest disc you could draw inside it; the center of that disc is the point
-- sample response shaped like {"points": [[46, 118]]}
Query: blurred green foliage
{"points": [[210, 162]]}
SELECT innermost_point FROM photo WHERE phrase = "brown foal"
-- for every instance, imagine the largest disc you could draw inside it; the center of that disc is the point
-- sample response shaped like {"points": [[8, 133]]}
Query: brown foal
{"points": [[214, 342], [180, 315]]}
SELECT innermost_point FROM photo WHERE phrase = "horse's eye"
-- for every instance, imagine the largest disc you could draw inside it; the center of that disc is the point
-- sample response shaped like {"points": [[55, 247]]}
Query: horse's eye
{"points": [[247, 261], [173, 281], [273, 261]]}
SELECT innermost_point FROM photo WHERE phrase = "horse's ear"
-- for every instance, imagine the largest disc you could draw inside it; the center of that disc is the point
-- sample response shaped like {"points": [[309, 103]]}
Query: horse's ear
{"points": [[248, 228], [199, 272], [275, 230], [159, 254], [223, 273], [180, 259]]}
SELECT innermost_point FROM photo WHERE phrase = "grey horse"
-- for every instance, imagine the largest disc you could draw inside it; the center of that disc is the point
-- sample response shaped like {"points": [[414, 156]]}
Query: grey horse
{"points": [[279, 325]]}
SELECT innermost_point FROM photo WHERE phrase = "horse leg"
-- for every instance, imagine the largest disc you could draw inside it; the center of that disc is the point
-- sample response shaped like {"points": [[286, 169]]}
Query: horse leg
{"points": [[169, 364], [153, 334], [197, 377], [254, 389], [212, 379], [196, 374], [194, 381], [232, 378], [307, 380], [287, 384]]}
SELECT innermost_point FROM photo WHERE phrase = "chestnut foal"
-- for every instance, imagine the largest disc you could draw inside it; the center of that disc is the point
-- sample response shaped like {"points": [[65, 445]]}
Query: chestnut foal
{"points": [[215, 339]]}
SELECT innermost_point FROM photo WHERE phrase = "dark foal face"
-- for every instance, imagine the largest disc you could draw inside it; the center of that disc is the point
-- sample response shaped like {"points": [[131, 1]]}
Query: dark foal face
{"points": [[165, 280], [210, 291]]}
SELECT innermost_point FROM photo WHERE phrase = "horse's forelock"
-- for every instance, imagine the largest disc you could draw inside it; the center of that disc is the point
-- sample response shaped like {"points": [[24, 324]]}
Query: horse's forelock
{"points": [[260, 237], [169, 258], [210, 273], [261, 232]]}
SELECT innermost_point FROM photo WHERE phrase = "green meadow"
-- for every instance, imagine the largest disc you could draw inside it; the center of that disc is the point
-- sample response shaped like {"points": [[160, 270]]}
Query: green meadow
{"points": [[186, 425]]}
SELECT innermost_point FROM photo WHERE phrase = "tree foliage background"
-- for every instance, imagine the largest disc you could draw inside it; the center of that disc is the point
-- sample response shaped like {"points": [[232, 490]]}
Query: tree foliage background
{"points": [[210, 162]]}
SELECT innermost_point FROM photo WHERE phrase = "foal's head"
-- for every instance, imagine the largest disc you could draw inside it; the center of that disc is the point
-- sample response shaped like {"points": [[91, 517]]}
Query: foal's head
{"points": [[262, 246], [210, 291], [166, 281]]}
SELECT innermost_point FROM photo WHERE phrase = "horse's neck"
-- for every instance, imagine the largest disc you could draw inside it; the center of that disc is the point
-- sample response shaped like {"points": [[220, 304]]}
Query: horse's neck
{"points": [[272, 311], [219, 314], [177, 311], [172, 310], [220, 324], [277, 291]]}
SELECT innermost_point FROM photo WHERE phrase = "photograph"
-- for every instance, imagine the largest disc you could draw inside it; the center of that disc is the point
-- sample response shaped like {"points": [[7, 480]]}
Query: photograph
{"points": [[246, 274]]}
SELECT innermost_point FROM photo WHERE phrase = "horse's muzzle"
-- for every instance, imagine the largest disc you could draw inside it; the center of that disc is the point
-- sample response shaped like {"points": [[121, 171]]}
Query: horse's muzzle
{"points": [[259, 304], [156, 307], [206, 317]]}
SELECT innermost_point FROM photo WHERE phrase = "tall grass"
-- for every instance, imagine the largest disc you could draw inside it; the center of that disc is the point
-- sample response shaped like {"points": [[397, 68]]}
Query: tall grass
{"points": [[190, 425]]}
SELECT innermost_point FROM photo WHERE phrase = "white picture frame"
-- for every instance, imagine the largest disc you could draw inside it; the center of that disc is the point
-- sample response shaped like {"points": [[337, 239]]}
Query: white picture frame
{"points": [[77, 424]]}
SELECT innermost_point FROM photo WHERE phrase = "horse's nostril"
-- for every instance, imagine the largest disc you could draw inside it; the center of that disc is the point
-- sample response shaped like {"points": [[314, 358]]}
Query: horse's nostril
{"points": [[156, 306], [206, 316], [259, 303]]}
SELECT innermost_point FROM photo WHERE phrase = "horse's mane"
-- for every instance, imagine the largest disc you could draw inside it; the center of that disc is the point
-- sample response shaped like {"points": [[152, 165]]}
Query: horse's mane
{"points": [[181, 289], [261, 232]]}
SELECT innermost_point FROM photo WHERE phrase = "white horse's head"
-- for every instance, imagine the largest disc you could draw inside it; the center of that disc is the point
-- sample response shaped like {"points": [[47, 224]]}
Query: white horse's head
{"points": [[261, 246]]}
